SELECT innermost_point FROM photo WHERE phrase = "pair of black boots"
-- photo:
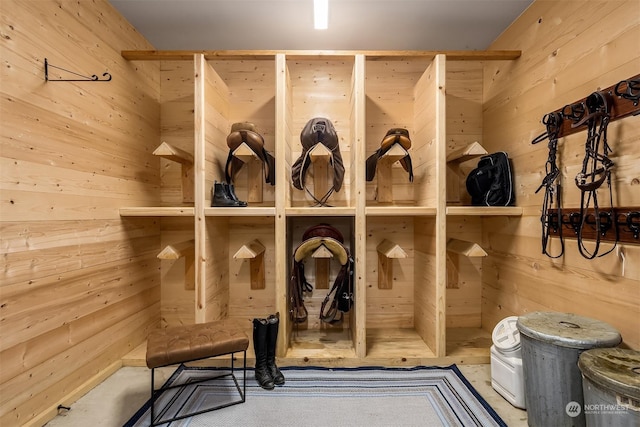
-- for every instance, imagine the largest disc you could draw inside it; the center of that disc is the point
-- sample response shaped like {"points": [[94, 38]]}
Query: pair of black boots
{"points": [[224, 195], [265, 336]]}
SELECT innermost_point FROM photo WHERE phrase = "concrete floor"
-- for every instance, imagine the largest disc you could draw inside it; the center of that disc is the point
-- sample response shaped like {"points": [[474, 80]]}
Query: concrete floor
{"points": [[115, 400]]}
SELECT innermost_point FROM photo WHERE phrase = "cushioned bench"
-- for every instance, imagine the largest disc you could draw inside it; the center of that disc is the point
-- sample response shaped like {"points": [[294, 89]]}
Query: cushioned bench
{"points": [[182, 344]]}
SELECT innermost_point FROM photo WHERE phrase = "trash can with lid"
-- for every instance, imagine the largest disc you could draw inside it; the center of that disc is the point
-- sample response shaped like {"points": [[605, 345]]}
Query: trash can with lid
{"points": [[611, 387], [551, 344], [506, 362]]}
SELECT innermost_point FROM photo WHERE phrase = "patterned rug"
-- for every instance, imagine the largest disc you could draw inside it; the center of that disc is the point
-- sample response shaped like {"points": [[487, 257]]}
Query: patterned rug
{"points": [[421, 396]]}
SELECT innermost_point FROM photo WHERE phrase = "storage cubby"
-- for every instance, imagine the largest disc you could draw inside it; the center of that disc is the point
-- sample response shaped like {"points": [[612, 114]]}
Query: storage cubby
{"points": [[400, 94], [417, 274], [320, 87]]}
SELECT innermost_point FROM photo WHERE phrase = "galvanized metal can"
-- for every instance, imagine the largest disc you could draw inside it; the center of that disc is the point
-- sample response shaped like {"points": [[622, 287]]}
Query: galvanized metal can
{"points": [[551, 345], [611, 387]]}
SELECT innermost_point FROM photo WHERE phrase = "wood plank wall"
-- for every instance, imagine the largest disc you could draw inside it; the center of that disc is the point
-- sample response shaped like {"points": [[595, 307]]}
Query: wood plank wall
{"points": [[80, 286], [569, 49]]}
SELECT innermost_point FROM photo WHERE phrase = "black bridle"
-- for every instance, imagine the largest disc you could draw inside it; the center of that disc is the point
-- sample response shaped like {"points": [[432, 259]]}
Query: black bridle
{"points": [[551, 184], [596, 169]]}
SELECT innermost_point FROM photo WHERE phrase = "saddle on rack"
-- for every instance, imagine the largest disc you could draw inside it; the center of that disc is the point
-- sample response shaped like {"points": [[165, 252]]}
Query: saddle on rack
{"points": [[340, 296], [393, 136], [245, 133], [318, 130]]}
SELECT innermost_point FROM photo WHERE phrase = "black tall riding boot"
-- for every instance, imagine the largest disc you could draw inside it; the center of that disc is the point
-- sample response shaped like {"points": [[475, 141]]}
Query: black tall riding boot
{"points": [[272, 338], [220, 197], [260, 333]]}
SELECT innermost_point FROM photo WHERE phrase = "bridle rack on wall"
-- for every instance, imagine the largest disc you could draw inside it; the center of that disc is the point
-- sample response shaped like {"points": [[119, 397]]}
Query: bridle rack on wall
{"points": [[623, 225], [624, 97], [589, 221]]}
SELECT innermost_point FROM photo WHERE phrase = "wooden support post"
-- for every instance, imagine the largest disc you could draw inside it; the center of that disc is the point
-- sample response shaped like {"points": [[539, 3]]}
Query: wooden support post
{"points": [[175, 154], [254, 172], [454, 159], [254, 252], [384, 172], [387, 252], [320, 156], [184, 249], [323, 256]]}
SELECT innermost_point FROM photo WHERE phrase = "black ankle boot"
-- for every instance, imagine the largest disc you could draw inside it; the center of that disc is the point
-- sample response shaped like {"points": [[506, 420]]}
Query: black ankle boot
{"points": [[272, 339], [220, 198], [232, 194], [260, 332]]}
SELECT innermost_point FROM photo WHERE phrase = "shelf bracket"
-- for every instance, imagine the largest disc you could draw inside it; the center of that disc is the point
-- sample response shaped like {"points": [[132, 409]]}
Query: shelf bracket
{"points": [[84, 78], [322, 256], [460, 247], [184, 250], [387, 252], [254, 172], [384, 172], [320, 156], [185, 159], [254, 252], [454, 174]]}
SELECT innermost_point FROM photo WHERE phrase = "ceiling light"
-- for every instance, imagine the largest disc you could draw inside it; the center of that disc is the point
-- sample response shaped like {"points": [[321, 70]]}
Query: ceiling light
{"points": [[320, 14]]}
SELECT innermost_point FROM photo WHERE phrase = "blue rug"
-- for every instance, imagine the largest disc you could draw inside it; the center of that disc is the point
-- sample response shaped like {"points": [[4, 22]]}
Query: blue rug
{"points": [[398, 397]]}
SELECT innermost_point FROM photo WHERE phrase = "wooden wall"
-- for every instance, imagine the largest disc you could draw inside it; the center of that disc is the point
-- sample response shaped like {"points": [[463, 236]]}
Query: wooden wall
{"points": [[79, 287], [569, 49]]}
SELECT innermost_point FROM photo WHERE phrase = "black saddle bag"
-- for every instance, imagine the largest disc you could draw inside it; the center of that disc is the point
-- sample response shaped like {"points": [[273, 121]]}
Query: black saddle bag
{"points": [[491, 183]]}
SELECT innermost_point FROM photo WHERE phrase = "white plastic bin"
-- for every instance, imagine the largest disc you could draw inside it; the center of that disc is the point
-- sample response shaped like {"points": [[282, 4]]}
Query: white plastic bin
{"points": [[507, 377]]}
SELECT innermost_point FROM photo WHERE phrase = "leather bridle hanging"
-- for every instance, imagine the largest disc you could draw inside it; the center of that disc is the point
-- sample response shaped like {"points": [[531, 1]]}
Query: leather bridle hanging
{"points": [[596, 169], [551, 184]]}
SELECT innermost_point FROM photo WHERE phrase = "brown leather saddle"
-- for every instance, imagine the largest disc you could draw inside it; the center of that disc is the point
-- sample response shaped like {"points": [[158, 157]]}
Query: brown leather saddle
{"points": [[318, 130], [246, 133], [340, 298], [393, 136]]}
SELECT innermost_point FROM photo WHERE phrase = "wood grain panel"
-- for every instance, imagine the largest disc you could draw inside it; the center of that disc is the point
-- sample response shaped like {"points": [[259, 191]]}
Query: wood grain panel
{"points": [[569, 49], [81, 286]]}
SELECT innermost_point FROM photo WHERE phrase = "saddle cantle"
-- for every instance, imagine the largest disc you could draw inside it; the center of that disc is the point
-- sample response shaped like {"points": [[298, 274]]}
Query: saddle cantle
{"points": [[393, 136], [340, 297], [318, 130], [246, 133]]}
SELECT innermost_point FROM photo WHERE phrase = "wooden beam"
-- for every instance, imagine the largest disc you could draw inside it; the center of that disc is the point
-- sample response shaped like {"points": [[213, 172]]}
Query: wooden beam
{"points": [[188, 55]]}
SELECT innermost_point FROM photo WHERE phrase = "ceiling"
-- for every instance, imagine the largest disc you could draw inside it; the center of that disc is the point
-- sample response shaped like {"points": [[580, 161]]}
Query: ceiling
{"points": [[353, 24]]}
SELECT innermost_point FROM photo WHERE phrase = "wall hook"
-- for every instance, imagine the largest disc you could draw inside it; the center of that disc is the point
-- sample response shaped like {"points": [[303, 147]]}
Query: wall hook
{"points": [[84, 78]]}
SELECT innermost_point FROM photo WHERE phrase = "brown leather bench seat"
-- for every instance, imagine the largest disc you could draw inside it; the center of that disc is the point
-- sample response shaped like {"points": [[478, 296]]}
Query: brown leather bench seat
{"points": [[182, 344], [179, 344]]}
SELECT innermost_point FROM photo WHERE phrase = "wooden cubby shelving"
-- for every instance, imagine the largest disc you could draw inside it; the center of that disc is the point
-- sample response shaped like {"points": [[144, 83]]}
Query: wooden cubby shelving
{"points": [[404, 315]]}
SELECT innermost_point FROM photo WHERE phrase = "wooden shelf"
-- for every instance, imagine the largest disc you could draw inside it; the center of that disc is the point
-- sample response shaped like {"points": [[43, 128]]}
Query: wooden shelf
{"points": [[245, 211], [157, 211], [320, 211], [399, 211], [484, 211], [188, 55]]}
